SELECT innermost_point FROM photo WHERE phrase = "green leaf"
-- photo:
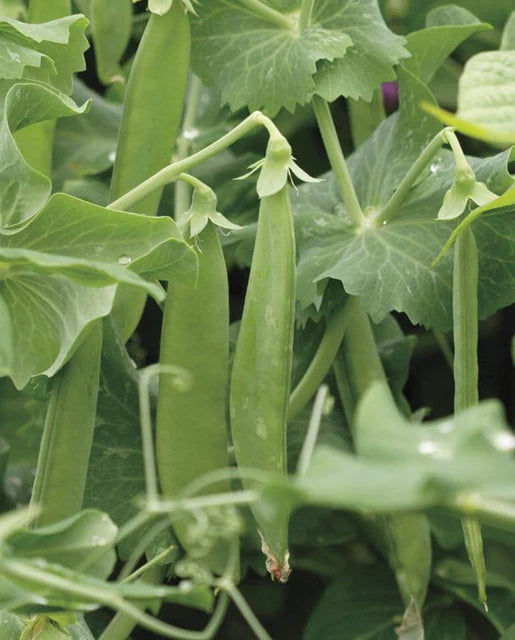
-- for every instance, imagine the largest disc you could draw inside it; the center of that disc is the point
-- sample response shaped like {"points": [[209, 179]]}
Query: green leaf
{"points": [[445, 624], [23, 191], [84, 542], [486, 99], [11, 626], [369, 62], [86, 146], [508, 34], [69, 243], [50, 52], [446, 28], [257, 64], [116, 460], [363, 603], [389, 266]]}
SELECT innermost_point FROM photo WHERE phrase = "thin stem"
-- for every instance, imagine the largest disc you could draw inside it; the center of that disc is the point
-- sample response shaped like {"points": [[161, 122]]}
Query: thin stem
{"points": [[272, 16], [140, 547], [204, 502], [445, 347], [393, 205], [182, 191], [337, 160], [151, 563], [313, 428], [323, 359], [240, 602], [169, 174], [306, 11]]}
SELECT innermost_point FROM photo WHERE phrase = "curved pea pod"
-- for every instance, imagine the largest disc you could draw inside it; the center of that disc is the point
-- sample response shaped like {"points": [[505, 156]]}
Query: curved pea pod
{"points": [[111, 24], [260, 385], [151, 117], [191, 432]]}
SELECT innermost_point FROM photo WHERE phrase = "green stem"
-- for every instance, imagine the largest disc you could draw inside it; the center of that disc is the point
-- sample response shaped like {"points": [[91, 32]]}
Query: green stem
{"points": [[337, 160], [182, 191], [306, 11], [204, 502], [494, 512], [323, 359], [393, 205], [313, 428], [68, 433], [465, 317], [268, 14], [169, 174], [151, 563]]}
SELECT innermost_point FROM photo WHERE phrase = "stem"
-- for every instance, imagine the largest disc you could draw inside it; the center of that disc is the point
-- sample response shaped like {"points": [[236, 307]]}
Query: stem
{"points": [[393, 205], [170, 173], [151, 563], [182, 191], [465, 317], [205, 502], [444, 347], [272, 16], [306, 11], [494, 512], [313, 428], [323, 359], [337, 160], [68, 433], [244, 609]]}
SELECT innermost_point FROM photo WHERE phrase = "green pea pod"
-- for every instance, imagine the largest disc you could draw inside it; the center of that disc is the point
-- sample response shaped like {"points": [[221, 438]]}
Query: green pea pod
{"points": [[191, 433], [464, 293], [151, 116], [260, 385], [111, 25]]}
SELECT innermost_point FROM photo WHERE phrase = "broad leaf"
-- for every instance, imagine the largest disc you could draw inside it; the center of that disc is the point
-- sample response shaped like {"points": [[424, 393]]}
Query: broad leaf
{"points": [[258, 64], [23, 191], [87, 145], [84, 542], [56, 268], [486, 100], [363, 603], [50, 52]]}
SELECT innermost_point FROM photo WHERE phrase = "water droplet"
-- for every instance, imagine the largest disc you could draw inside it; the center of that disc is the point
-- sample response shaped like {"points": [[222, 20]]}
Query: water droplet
{"points": [[112, 156], [504, 441], [427, 447], [124, 259], [384, 223], [191, 134], [435, 165], [185, 586], [97, 248], [14, 56]]}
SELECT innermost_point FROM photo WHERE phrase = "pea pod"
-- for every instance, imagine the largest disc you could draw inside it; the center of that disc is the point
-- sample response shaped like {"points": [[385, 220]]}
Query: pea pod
{"points": [[465, 280], [151, 117], [111, 24], [191, 431], [261, 373]]}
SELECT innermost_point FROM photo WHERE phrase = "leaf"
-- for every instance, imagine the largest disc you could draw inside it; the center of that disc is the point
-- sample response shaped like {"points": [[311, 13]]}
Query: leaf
{"points": [[86, 146], [389, 266], [445, 624], [257, 64], [84, 542], [363, 603], [23, 191], [50, 52], [446, 28], [369, 62], [486, 99], [508, 34], [11, 626], [115, 473], [69, 237]]}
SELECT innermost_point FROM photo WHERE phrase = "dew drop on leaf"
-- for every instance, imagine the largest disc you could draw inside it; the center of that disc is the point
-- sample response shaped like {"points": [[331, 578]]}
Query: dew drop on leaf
{"points": [[124, 259]]}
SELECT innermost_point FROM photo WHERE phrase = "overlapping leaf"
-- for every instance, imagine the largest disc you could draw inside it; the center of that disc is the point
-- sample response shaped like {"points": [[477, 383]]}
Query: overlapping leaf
{"points": [[58, 274], [258, 64]]}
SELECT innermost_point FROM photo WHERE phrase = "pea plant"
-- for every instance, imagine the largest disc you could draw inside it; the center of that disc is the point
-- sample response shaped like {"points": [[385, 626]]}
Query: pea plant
{"points": [[256, 263]]}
